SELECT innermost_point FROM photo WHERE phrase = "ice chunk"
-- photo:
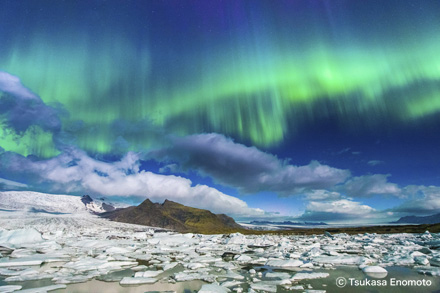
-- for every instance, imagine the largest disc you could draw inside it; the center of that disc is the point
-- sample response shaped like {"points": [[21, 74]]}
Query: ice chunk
{"points": [[195, 266], [44, 289], [188, 276], [280, 276], [139, 268], [147, 274], [264, 286], [284, 263], [244, 258], [302, 276], [22, 253], [118, 250], [135, 281], [9, 288], [229, 284], [236, 238], [211, 288], [17, 238], [17, 271], [88, 264], [375, 271], [339, 260], [421, 260], [170, 266], [429, 271], [233, 275], [435, 261], [73, 279], [20, 262]]}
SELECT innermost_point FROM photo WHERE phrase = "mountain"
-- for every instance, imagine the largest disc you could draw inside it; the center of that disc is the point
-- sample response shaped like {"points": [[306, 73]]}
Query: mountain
{"points": [[433, 219], [174, 216], [288, 223]]}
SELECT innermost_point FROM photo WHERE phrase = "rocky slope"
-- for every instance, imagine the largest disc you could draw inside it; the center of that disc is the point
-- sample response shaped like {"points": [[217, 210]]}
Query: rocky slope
{"points": [[433, 219], [174, 216]]}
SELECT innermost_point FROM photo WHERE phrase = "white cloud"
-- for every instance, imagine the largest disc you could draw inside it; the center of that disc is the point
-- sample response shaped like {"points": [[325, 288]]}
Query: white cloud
{"points": [[21, 108], [12, 85], [370, 185], [247, 168], [74, 171], [375, 162], [321, 194], [342, 206], [170, 168], [338, 210], [8, 184], [423, 200]]}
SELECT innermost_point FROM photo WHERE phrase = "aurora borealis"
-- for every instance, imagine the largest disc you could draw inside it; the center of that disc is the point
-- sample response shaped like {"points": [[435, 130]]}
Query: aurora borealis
{"points": [[298, 95]]}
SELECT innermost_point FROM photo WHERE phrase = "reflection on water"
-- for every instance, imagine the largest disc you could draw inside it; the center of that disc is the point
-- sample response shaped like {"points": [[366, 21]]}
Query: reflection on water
{"points": [[328, 284], [114, 287], [397, 273]]}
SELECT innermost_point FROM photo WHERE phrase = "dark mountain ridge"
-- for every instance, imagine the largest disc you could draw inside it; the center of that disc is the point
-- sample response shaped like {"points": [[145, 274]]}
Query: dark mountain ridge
{"points": [[433, 219], [174, 216], [288, 223]]}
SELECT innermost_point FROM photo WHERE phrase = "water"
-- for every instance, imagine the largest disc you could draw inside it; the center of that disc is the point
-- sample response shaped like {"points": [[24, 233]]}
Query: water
{"points": [[328, 284], [398, 273]]}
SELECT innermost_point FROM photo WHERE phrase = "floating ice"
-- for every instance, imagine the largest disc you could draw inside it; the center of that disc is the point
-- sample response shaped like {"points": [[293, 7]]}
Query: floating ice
{"points": [[280, 276], [147, 274], [429, 271], [44, 289], [264, 286], [20, 262], [375, 271], [284, 263], [244, 258], [91, 247], [339, 260], [136, 281], [302, 276], [211, 288], [20, 237], [9, 288]]}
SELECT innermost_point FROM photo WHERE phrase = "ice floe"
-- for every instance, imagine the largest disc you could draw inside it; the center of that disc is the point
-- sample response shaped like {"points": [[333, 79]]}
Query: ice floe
{"points": [[74, 248], [375, 271]]}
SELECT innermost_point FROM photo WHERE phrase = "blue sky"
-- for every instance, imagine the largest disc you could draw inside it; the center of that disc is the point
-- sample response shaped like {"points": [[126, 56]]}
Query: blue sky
{"points": [[306, 110]]}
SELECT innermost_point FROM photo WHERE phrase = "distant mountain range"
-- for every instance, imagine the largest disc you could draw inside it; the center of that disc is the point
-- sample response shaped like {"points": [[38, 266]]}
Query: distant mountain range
{"points": [[288, 223], [174, 216], [433, 219]]}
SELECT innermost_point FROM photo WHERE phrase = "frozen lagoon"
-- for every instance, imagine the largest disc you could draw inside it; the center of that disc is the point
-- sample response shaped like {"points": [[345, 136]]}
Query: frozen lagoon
{"points": [[84, 253]]}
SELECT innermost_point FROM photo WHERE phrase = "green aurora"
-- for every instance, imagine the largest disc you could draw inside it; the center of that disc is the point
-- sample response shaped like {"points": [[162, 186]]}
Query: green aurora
{"points": [[259, 88]]}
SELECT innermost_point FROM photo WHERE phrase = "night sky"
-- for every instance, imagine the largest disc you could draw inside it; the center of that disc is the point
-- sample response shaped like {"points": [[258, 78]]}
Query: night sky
{"points": [[280, 110]]}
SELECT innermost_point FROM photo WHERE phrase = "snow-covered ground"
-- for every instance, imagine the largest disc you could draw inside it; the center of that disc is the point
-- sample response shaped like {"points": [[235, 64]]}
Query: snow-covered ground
{"points": [[69, 245]]}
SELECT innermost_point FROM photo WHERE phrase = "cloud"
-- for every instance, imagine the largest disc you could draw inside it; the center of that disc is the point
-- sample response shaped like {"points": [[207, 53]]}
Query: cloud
{"points": [[11, 84], [171, 168], [423, 200], [375, 162], [20, 108], [11, 185], [321, 194], [247, 168], [75, 172], [338, 210], [368, 185]]}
